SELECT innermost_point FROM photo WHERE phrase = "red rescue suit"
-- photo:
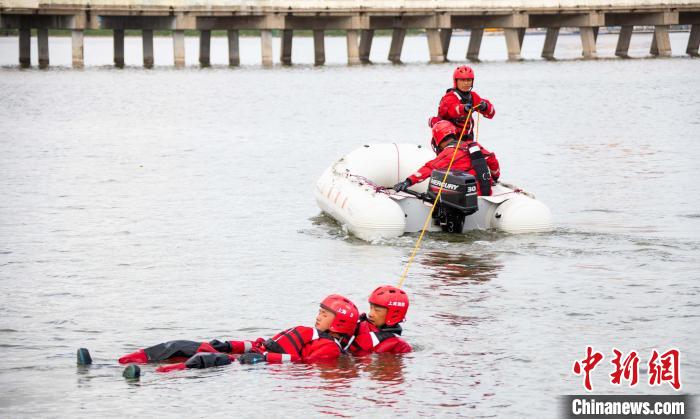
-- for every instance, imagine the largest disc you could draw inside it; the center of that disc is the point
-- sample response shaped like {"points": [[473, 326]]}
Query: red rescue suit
{"points": [[451, 108], [299, 343], [371, 339], [462, 162]]}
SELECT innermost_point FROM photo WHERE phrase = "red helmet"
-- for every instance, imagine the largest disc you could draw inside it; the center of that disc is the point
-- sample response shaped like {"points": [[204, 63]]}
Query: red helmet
{"points": [[394, 299], [346, 313], [441, 130], [462, 72]]}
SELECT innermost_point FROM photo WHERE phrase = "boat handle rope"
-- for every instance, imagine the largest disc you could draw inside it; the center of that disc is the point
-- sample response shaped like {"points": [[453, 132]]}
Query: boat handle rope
{"points": [[437, 198], [365, 181]]}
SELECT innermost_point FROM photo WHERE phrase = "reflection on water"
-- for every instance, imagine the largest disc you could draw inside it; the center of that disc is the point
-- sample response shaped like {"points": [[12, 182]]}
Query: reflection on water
{"points": [[386, 369], [455, 269], [461, 274], [332, 387]]}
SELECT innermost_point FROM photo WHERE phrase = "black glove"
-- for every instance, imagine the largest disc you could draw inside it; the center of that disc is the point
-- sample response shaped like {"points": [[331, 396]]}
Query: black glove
{"points": [[206, 360], [482, 106], [402, 186], [251, 358], [220, 346]]}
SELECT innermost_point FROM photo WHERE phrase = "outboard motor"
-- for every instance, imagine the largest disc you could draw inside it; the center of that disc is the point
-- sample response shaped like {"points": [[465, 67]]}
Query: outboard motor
{"points": [[457, 200]]}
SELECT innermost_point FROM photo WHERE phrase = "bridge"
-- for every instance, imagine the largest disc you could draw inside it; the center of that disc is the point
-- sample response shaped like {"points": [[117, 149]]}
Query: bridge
{"points": [[358, 18]]}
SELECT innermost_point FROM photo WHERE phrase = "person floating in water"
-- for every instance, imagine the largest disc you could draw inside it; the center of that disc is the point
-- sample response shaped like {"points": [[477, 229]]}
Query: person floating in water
{"points": [[379, 331], [336, 320]]}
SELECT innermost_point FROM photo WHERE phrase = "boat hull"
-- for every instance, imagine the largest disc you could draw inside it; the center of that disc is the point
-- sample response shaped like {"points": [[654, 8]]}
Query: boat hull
{"points": [[352, 191]]}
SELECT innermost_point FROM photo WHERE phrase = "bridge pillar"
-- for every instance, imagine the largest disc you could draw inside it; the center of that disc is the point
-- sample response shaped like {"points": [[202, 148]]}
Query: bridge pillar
{"points": [[179, 47], [623, 41], [661, 44], [550, 43], [588, 38], [435, 46], [445, 38], [25, 47], [513, 25], [205, 48], [397, 38], [366, 36], [234, 57], [353, 47], [521, 36], [513, 42], [595, 42], [286, 47], [119, 48], [43, 44], [694, 41], [147, 44], [266, 47], [475, 36], [77, 48], [319, 47]]}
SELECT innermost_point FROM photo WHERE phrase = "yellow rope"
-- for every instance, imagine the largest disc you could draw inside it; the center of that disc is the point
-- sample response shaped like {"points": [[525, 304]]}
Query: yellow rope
{"points": [[437, 198], [478, 120]]}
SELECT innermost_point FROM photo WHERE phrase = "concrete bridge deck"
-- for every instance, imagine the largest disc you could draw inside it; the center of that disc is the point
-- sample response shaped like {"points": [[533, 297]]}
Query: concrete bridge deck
{"points": [[438, 18]]}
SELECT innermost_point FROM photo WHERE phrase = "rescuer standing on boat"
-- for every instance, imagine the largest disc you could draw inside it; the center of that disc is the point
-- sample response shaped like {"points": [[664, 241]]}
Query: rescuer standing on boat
{"points": [[455, 105]]}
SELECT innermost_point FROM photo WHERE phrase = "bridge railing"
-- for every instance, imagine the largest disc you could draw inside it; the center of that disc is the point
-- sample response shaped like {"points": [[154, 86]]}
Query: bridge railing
{"points": [[359, 19], [407, 6]]}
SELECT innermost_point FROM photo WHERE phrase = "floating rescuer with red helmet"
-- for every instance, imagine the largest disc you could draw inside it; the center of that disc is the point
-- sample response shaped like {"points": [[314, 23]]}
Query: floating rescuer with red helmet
{"points": [[379, 331], [336, 319], [455, 104], [470, 157]]}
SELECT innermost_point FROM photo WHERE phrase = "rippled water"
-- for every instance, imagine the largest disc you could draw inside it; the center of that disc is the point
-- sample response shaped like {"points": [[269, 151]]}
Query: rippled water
{"points": [[141, 206]]}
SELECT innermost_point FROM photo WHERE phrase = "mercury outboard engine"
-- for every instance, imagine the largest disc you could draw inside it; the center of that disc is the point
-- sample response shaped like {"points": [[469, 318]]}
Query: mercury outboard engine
{"points": [[457, 200]]}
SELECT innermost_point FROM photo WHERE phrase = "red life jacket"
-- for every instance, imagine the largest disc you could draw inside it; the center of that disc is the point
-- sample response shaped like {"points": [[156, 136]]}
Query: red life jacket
{"points": [[368, 336], [466, 99], [293, 340]]}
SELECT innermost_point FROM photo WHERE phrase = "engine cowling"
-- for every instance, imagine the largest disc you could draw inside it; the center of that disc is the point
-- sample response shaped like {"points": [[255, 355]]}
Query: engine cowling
{"points": [[457, 200]]}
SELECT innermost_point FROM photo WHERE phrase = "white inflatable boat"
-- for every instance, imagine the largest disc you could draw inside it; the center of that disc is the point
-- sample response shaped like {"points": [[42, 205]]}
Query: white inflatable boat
{"points": [[354, 192]]}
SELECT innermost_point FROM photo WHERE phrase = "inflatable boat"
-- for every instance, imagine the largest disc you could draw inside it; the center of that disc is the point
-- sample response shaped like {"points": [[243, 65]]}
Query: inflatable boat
{"points": [[355, 191]]}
